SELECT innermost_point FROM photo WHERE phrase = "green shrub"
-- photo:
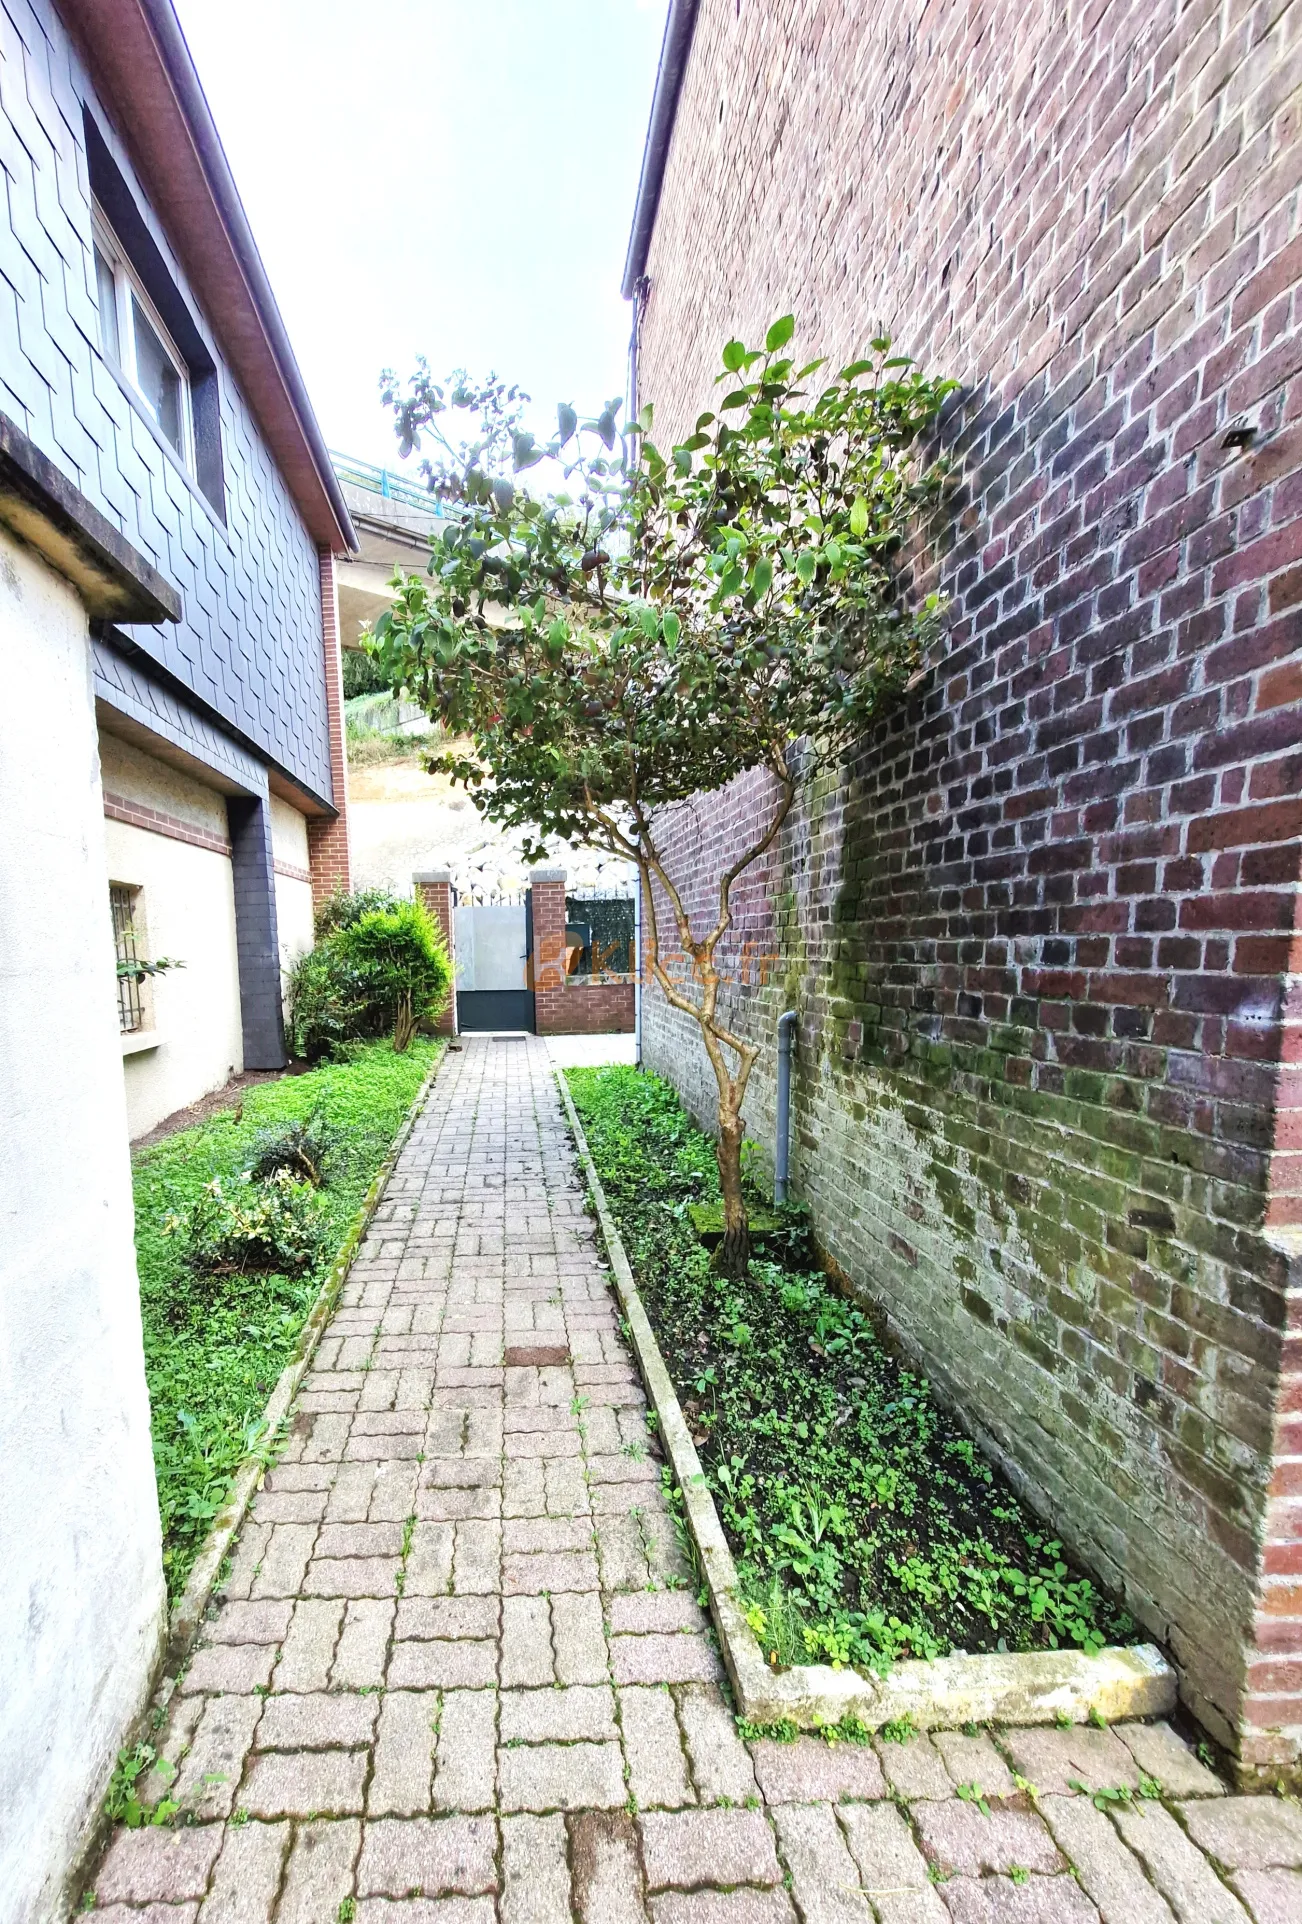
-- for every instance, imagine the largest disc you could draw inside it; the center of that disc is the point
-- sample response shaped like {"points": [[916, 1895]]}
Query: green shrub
{"points": [[399, 954], [328, 1003], [379, 966], [257, 1226], [362, 676], [344, 907], [307, 1148]]}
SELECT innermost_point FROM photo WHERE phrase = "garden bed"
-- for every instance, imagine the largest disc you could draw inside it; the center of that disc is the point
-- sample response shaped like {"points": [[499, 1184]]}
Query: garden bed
{"points": [[215, 1345], [864, 1527]]}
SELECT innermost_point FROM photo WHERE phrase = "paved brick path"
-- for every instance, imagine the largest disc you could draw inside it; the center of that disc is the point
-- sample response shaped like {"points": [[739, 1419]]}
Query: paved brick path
{"points": [[456, 1675]]}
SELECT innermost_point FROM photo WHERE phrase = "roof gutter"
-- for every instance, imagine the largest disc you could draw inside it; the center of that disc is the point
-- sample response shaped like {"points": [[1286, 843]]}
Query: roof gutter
{"points": [[675, 48], [194, 103]]}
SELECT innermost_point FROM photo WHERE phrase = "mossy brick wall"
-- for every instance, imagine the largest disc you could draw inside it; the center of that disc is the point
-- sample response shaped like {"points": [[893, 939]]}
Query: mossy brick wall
{"points": [[1039, 929]]}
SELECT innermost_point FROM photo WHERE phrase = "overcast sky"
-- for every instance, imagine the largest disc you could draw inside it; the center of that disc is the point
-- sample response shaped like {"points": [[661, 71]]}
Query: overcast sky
{"points": [[446, 177]]}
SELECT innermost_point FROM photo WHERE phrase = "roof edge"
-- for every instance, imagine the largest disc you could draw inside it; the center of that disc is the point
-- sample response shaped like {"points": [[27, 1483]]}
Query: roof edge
{"points": [[184, 75], [140, 60], [680, 25]]}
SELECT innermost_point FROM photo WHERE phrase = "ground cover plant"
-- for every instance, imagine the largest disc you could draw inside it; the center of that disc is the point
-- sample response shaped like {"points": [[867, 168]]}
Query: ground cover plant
{"points": [[277, 1181], [864, 1523]]}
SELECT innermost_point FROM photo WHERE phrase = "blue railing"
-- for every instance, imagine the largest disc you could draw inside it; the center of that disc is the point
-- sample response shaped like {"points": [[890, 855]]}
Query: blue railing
{"points": [[392, 487]]}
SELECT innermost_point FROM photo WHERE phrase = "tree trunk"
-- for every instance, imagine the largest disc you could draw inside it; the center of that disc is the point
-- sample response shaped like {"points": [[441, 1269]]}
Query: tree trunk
{"points": [[732, 1259], [404, 1027]]}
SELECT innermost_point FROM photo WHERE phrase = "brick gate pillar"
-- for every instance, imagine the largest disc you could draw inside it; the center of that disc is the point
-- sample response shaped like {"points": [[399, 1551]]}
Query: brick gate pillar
{"points": [[547, 889], [327, 836], [434, 889]]}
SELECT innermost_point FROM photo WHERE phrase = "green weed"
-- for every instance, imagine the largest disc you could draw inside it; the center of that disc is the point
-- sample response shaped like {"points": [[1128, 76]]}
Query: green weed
{"points": [[122, 1801], [865, 1526], [214, 1345]]}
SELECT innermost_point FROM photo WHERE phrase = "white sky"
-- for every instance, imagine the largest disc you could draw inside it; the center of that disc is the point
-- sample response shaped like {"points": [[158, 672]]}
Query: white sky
{"points": [[446, 177]]}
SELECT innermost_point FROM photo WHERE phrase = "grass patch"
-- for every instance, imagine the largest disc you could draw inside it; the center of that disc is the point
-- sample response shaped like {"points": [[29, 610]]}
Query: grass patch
{"points": [[864, 1523], [214, 1346]]}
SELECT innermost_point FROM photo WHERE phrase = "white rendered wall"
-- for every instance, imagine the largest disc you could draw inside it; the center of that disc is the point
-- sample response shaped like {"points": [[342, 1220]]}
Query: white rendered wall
{"points": [[187, 911], [289, 848], [82, 1600]]}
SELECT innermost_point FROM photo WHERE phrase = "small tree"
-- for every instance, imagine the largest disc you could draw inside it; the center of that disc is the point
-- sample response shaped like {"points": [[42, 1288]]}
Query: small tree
{"points": [[665, 622], [400, 957]]}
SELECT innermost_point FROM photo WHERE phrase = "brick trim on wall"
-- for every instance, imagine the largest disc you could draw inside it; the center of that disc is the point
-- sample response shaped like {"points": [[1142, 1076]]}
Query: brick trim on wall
{"points": [[158, 822], [327, 836], [292, 872]]}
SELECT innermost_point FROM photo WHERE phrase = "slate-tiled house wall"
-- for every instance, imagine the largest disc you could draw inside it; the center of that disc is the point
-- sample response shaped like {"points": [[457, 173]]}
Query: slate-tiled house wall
{"points": [[249, 642]]}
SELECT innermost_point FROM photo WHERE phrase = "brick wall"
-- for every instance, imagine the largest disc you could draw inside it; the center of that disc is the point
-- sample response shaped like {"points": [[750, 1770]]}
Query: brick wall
{"points": [[589, 1008], [562, 1004], [1039, 931], [327, 836], [434, 888]]}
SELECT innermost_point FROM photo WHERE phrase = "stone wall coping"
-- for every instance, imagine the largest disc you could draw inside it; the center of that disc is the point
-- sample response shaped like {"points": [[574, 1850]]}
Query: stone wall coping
{"points": [[431, 876]]}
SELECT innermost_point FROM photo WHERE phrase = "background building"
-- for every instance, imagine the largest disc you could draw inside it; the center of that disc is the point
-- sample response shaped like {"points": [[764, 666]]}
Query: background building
{"points": [[1040, 930], [172, 781]]}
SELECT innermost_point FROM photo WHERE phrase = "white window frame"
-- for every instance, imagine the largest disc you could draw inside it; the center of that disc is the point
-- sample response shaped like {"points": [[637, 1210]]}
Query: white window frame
{"points": [[126, 286]]}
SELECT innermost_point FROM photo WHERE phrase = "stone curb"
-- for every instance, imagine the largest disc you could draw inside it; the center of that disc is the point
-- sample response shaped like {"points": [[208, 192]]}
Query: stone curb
{"points": [[183, 1625], [1034, 1688]]}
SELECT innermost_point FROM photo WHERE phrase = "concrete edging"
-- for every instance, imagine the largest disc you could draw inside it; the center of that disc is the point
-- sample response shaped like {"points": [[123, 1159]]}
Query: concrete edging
{"points": [[191, 1606], [1034, 1688]]}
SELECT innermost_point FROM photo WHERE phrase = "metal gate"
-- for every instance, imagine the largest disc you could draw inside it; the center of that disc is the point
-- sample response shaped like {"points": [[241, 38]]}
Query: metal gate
{"points": [[492, 944]]}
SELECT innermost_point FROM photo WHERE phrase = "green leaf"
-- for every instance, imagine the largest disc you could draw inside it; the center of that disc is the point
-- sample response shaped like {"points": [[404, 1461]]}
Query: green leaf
{"points": [[779, 334], [737, 399], [762, 578], [645, 417], [855, 369], [650, 625], [672, 628], [806, 566], [734, 354], [859, 517], [566, 422]]}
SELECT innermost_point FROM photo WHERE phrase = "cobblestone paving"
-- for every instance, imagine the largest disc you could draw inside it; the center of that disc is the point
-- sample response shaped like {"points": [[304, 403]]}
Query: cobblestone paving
{"points": [[456, 1674]]}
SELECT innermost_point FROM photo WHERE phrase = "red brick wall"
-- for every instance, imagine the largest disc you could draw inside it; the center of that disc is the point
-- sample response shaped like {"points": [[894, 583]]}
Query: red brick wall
{"points": [[436, 894], [566, 1005], [327, 838], [1038, 933], [588, 1008]]}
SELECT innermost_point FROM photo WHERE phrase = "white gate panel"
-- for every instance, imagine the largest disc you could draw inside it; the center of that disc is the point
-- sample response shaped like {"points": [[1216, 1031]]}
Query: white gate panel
{"points": [[490, 942]]}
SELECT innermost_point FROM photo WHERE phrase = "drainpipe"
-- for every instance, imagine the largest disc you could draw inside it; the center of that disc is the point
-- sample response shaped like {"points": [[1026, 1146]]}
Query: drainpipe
{"points": [[637, 973], [787, 1025]]}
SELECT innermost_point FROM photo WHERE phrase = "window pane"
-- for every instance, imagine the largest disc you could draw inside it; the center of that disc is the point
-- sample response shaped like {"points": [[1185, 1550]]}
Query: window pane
{"points": [[130, 1001], [108, 308], [156, 377]]}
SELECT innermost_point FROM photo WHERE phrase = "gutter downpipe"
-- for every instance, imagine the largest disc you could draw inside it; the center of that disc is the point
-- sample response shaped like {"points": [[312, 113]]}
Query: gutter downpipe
{"points": [[674, 49], [637, 974], [787, 1027]]}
